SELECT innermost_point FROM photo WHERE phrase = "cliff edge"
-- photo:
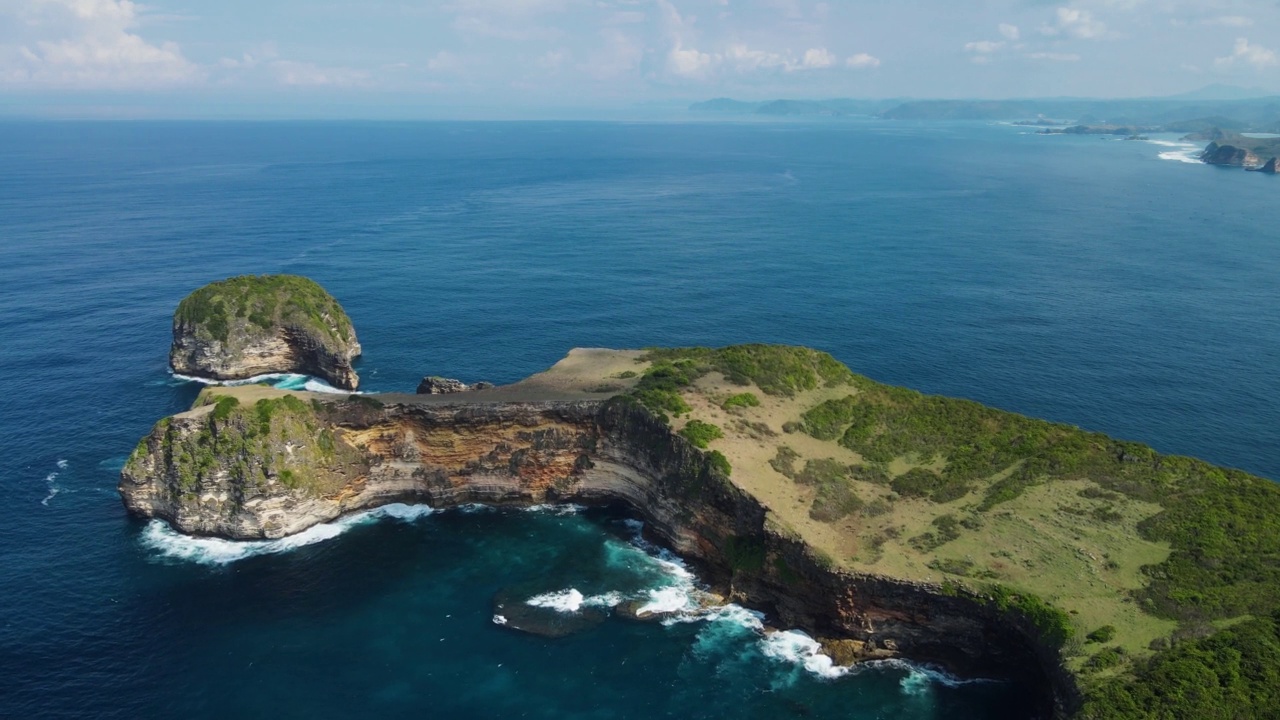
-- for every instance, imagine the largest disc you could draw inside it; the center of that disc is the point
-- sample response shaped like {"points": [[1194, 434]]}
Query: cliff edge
{"points": [[878, 519], [254, 325]]}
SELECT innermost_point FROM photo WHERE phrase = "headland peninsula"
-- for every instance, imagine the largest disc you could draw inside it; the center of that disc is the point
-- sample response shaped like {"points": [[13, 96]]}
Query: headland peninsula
{"points": [[886, 523]]}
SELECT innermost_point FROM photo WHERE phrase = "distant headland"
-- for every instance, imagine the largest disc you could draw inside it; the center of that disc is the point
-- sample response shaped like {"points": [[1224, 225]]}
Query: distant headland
{"points": [[1125, 583], [1241, 129]]}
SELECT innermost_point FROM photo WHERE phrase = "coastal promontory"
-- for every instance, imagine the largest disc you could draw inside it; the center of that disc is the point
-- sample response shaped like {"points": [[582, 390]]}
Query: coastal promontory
{"points": [[253, 325], [1126, 583]]}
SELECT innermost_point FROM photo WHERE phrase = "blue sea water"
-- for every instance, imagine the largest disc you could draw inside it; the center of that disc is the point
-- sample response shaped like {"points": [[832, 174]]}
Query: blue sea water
{"points": [[1085, 281]]}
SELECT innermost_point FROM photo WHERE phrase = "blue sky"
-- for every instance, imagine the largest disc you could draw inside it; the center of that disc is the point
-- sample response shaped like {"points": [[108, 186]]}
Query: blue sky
{"points": [[403, 58]]}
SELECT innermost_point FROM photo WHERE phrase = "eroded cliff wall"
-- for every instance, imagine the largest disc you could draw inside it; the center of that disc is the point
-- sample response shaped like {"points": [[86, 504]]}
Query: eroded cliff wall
{"points": [[242, 471]]}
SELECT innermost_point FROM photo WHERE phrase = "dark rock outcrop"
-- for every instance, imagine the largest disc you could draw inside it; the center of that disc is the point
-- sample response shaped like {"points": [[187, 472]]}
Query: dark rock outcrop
{"points": [[1216, 154], [436, 385], [254, 325], [323, 460]]}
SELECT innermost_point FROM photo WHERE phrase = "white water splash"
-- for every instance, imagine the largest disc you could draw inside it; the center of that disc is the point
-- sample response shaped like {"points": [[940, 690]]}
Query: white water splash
{"points": [[571, 600], [797, 648], [556, 509], [170, 544], [1181, 152], [281, 381]]}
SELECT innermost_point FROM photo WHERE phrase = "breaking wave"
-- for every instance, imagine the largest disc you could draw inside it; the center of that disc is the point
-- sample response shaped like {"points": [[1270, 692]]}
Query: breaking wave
{"points": [[1180, 152], [51, 482], [169, 544], [281, 381]]}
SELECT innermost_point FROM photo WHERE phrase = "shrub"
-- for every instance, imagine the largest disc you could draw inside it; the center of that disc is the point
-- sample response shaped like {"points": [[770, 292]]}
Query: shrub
{"points": [[835, 499], [701, 433], [784, 461], [719, 462], [741, 400], [917, 482], [1104, 634]]}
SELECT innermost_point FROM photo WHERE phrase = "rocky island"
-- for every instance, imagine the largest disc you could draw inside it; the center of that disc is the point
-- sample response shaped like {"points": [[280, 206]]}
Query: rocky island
{"points": [[1123, 582], [252, 325]]}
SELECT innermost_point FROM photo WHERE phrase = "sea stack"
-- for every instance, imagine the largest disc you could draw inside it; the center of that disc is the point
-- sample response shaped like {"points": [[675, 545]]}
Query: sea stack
{"points": [[253, 325]]}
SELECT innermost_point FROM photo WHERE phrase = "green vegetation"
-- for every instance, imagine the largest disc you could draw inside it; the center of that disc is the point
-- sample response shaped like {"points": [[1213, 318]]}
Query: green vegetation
{"points": [[1054, 624], [1104, 634], [775, 369], [1234, 673], [835, 496], [719, 462], [264, 302], [659, 387], [784, 461], [701, 433], [275, 438], [741, 400], [1155, 542]]}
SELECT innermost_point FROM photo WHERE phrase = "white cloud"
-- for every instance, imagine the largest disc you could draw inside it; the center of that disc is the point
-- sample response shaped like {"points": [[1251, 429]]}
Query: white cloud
{"points": [[86, 44], [815, 58], [1076, 23], [1245, 52], [689, 63], [442, 61], [983, 47], [1010, 32], [1054, 56], [862, 60], [553, 59], [289, 72], [1238, 21]]}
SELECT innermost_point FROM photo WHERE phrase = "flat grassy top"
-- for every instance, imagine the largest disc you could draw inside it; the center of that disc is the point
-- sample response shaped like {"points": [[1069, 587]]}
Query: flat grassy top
{"points": [[1165, 550], [265, 302]]}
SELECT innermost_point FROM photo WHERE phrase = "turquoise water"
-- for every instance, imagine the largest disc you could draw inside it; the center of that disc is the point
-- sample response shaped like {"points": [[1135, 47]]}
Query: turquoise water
{"points": [[1086, 281]]}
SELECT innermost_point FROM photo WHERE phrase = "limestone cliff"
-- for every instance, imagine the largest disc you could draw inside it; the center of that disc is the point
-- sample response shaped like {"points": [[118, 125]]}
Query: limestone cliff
{"points": [[258, 324], [261, 463]]}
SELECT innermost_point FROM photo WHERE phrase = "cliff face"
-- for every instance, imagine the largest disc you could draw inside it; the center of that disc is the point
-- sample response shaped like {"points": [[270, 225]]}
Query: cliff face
{"points": [[241, 472], [1216, 154], [255, 325]]}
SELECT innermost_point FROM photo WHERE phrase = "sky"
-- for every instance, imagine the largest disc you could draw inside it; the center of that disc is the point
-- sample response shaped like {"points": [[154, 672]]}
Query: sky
{"points": [[399, 58]]}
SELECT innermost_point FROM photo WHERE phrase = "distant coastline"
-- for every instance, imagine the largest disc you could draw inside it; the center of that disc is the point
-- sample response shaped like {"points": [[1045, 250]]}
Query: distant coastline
{"points": [[1239, 132]]}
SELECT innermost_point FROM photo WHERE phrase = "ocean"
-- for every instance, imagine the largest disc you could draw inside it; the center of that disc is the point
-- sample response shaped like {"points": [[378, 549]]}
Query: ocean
{"points": [[1115, 285]]}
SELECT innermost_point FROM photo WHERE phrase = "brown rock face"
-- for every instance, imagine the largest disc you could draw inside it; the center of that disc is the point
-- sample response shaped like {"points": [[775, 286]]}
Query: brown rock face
{"points": [[253, 325], [594, 452], [284, 350]]}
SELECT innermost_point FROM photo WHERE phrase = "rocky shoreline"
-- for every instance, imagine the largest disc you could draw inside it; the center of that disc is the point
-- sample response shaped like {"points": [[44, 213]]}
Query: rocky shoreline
{"points": [[222, 470]]}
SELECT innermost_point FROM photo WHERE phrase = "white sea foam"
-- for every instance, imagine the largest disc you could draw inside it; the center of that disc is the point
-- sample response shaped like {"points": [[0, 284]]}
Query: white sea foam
{"points": [[919, 678], [797, 648], [571, 600], [1181, 152], [605, 600], [556, 509], [172, 545], [283, 381], [499, 620], [672, 599], [1185, 156], [565, 601], [62, 464], [51, 481]]}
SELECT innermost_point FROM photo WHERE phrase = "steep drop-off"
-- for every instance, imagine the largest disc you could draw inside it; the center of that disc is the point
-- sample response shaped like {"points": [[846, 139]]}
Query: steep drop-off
{"points": [[253, 325], [253, 462]]}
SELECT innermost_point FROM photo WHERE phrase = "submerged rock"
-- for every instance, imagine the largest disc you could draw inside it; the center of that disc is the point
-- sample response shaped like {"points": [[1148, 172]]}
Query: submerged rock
{"points": [[551, 615], [253, 325]]}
